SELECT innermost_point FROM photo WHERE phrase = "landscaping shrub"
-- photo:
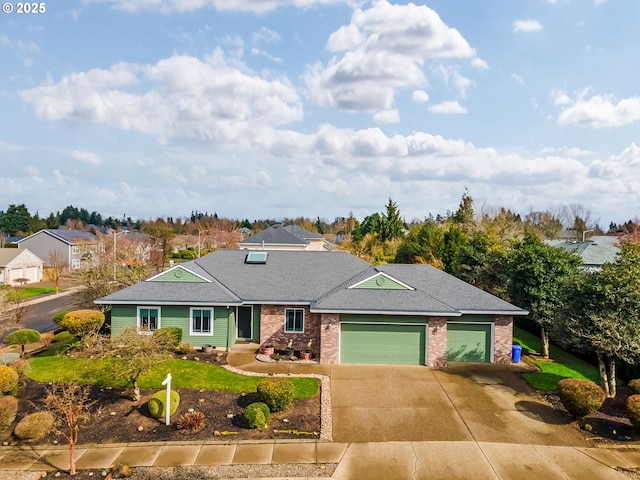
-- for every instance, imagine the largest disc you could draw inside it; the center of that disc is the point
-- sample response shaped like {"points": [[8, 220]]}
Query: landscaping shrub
{"points": [[171, 335], [184, 348], [35, 426], [8, 411], [276, 392], [22, 337], [634, 385], [57, 318], [191, 422], [8, 380], [256, 415], [22, 368], [580, 397], [156, 403], [46, 338], [633, 409], [80, 323], [62, 337]]}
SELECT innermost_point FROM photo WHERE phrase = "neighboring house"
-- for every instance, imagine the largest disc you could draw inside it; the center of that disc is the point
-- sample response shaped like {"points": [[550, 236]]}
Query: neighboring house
{"points": [[19, 263], [74, 245], [289, 237], [352, 311], [593, 254]]}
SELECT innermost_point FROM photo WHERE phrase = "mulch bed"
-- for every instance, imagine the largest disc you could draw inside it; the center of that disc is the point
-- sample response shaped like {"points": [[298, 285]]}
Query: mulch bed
{"points": [[118, 419]]}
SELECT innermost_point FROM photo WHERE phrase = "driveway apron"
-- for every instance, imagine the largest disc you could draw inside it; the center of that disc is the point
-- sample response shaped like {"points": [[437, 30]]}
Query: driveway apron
{"points": [[464, 402]]}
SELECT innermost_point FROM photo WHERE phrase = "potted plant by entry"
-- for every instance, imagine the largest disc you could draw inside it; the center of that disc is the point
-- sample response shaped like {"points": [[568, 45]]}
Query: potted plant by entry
{"points": [[289, 350], [207, 348], [267, 350], [306, 353]]}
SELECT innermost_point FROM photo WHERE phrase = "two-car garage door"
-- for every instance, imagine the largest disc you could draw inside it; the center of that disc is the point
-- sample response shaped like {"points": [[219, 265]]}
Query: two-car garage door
{"points": [[394, 343], [382, 343]]}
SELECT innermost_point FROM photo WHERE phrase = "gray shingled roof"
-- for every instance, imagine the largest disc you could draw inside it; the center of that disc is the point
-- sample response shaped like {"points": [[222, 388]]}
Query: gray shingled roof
{"points": [[302, 233], [320, 279], [277, 234], [68, 236], [592, 254], [7, 255]]}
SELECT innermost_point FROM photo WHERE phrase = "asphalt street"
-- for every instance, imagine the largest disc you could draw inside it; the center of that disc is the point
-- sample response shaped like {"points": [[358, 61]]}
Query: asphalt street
{"points": [[41, 312]]}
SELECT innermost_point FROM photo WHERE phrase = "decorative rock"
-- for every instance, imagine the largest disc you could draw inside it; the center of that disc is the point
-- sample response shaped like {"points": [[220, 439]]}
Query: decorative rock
{"points": [[191, 410], [55, 442], [216, 433], [285, 420], [185, 357], [140, 428], [201, 401], [103, 473], [43, 474], [113, 414], [91, 474], [5, 443], [57, 474], [242, 394], [229, 415], [197, 359]]}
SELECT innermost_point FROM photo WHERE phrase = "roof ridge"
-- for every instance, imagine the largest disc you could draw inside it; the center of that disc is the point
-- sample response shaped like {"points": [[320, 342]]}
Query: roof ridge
{"points": [[363, 275]]}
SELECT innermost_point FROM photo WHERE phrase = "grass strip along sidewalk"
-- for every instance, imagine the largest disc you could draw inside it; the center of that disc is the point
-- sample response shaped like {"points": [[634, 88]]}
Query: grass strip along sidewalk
{"points": [[560, 364]]}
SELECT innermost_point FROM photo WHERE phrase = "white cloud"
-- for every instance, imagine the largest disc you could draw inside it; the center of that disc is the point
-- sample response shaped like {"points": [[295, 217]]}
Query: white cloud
{"points": [[527, 26], [387, 116], [266, 35], [33, 170], [479, 64], [448, 108], [451, 76], [597, 111], [518, 78], [420, 96], [87, 157], [382, 49], [560, 97], [180, 96], [165, 6]]}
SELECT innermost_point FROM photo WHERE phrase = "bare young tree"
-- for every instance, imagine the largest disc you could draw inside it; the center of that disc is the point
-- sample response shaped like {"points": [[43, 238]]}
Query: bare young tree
{"points": [[55, 269], [18, 306], [71, 406]]}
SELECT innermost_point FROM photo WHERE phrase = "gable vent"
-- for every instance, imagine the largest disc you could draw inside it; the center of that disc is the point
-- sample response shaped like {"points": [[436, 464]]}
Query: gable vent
{"points": [[256, 257]]}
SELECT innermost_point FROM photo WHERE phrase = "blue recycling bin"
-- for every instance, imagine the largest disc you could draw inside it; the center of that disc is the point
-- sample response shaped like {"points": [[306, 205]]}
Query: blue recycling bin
{"points": [[516, 352]]}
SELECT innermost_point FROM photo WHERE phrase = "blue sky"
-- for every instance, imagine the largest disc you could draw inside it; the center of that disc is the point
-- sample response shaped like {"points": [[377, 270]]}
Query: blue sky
{"points": [[275, 108]]}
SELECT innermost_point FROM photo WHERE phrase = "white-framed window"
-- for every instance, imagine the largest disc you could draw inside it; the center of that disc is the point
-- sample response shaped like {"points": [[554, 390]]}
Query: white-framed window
{"points": [[201, 321], [75, 263], [148, 318], [294, 320]]}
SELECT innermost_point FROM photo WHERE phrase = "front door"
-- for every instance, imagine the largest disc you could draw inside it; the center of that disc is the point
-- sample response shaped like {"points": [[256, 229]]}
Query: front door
{"points": [[245, 315]]}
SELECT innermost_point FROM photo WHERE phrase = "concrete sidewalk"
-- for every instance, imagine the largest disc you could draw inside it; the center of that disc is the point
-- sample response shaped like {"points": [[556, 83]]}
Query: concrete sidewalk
{"points": [[371, 461]]}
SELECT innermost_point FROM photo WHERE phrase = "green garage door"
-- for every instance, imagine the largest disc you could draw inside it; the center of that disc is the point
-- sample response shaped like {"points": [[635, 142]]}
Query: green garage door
{"points": [[468, 342], [382, 343]]}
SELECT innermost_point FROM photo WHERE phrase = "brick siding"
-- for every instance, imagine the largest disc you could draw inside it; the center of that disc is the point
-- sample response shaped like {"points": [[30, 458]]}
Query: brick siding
{"points": [[272, 328], [437, 342], [503, 333], [330, 343]]}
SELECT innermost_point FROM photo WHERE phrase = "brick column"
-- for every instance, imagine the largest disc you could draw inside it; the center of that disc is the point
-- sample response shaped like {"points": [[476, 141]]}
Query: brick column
{"points": [[503, 339], [437, 342], [330, 338]]}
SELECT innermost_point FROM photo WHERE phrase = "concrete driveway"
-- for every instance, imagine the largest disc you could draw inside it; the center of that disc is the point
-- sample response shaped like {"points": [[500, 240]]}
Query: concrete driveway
{"points": [[464, 402]]}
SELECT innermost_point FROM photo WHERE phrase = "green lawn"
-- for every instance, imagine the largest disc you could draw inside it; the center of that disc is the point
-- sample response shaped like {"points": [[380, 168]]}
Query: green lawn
{"points": [[560, 365], [29, 292], [184, 373]]}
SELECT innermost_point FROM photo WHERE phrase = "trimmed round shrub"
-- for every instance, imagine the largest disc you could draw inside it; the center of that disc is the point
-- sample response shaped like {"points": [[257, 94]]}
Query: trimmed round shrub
{"points": [[8, 380], [82, 322], [633, 409], [156, 403], [172, 336], [8, 411], [634, 385], [276, 392], [580, 397], [62, 337], [22, 337], [57, 318], [35, 426], [256, 415]]}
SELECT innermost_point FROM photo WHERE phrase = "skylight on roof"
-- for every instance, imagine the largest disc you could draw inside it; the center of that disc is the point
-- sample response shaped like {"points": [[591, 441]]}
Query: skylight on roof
{"points": [[256, 257]]}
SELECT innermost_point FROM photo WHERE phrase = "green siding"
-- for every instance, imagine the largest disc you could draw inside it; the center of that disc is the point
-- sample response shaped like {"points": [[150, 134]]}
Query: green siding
{"points": [[180, 275], [380, 282], [378, 343], [468, 342], [351, 318], [124, 316]]}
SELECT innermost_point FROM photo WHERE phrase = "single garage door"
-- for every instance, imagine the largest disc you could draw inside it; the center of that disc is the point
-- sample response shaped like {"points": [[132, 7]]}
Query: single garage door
{"points": [[382, 343], [468, 342]]}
